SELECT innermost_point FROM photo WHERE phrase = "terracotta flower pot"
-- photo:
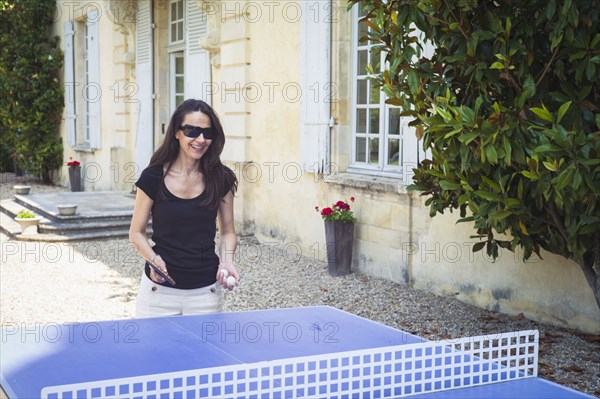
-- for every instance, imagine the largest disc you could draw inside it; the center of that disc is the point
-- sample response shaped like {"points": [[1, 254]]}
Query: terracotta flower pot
{"points": [[339, 238]]}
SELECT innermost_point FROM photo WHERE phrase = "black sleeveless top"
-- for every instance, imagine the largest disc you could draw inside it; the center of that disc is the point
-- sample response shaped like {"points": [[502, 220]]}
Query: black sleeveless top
{"points": [[183, 232]]}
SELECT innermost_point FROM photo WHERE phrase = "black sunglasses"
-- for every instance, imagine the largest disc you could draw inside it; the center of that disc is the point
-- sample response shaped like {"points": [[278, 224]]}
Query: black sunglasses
{"points": [[195, 131]]}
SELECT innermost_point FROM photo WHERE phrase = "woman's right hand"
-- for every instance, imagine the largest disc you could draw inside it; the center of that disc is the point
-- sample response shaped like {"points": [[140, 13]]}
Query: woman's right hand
{"points": [[157, 278]]}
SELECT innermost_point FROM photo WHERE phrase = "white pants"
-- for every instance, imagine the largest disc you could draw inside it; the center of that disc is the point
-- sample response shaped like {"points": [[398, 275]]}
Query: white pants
{"points": [[155, 300]]}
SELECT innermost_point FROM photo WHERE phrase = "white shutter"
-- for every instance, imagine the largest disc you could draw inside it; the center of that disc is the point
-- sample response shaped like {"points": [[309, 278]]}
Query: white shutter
{"points": [[412, 149], [197, 75], [95, 92], [143, 65], [70, 84], [315, 83]]}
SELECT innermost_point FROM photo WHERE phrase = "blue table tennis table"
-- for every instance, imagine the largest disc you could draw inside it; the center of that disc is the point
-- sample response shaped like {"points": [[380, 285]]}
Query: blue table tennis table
{"points": [[281, 353]]}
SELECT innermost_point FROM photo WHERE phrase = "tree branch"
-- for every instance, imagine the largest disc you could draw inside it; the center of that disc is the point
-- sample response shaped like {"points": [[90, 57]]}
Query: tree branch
{"points": [[547, 68], [506, 75], [591, 270], [441, 21], [551, 208]]}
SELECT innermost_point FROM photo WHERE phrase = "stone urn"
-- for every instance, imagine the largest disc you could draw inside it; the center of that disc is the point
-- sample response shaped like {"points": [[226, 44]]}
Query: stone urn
{"points": [[29, 225], [22, 190], [67, 209]]}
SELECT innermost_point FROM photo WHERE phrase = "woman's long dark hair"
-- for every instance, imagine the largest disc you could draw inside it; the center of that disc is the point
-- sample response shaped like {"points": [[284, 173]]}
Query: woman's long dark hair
{"points": [[216, 175]]}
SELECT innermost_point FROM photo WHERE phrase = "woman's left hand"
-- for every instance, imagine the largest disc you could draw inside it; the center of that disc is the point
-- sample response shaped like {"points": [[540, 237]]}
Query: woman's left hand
{"points": [[230, 271]]}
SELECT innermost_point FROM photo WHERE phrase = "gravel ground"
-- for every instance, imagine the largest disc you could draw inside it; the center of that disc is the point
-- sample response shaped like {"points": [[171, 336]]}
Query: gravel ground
{"points": [[97, 280]]}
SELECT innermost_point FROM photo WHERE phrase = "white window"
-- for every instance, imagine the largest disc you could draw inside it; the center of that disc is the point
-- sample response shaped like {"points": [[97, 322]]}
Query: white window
{"points": [[177, 43], [376, 128], [382, 142], [176, 22], [177, 82]]}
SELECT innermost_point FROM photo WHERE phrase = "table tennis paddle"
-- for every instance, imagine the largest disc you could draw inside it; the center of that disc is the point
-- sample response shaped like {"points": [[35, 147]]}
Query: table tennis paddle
{"points": [[163, 273]]}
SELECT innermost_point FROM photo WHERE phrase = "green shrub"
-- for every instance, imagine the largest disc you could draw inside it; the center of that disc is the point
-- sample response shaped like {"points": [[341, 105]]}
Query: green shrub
{"points": [[31, 101], [26, 215]]}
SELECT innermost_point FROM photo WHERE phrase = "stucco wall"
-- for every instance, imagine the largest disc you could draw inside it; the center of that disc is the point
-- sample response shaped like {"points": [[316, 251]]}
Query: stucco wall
{"points": [[552, 289], [112, 166]]}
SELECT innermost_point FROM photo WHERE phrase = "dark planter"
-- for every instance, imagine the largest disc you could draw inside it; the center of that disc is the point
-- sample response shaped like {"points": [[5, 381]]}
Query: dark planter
{"points": [[339, 238], [75, 178], [18, 170]]}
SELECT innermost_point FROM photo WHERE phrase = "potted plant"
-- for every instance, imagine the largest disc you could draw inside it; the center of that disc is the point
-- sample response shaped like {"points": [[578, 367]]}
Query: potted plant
{"points": [[16, 157], [28, 221], [339, 236], [74, 175]]}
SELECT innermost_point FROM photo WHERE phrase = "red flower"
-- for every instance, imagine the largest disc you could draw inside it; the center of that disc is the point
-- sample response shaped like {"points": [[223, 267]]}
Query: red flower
{"points": [[339, 211], [326, 211], [342, 205], [352, 199]]}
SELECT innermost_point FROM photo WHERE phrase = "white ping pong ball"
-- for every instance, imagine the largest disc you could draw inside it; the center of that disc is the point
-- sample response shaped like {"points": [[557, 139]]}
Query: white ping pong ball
{"points": [[230, 281], [224, 272]]}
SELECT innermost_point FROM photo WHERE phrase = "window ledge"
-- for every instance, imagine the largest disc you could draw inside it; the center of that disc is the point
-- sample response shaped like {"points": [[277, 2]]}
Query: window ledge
{"points": [[81, 148], [377, 183]]}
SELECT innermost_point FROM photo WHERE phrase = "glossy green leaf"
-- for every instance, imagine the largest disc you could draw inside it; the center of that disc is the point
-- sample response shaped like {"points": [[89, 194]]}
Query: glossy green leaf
{"points": [[488, 195], [562, 110], [478, 246], [497, 65], [551, 166], [491, 154], [413, 82], [542, 114], [446, 185]]}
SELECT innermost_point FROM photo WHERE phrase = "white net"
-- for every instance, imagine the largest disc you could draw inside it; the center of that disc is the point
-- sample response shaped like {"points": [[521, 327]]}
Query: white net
{"points": [[394, 371]]}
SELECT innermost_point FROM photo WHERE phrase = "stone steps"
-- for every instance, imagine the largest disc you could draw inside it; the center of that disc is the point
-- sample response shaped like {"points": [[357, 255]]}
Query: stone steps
{"points": [[99, 215]]}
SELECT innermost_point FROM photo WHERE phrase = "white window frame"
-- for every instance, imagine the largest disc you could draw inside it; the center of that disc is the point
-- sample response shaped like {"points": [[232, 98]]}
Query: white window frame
{"points": [[173, 21], [382, 168], [173, 78]]}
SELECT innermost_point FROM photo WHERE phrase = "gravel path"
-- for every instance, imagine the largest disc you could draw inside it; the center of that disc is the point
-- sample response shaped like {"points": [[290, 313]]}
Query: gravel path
{"points": [[97, 280]]}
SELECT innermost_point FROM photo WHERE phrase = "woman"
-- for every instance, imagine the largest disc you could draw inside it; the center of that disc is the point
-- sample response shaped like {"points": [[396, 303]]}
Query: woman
{"points": [[185, 188]]}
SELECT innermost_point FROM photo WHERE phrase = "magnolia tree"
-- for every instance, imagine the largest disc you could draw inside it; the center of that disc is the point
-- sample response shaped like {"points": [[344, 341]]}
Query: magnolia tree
{"points": [[508, 104]]}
